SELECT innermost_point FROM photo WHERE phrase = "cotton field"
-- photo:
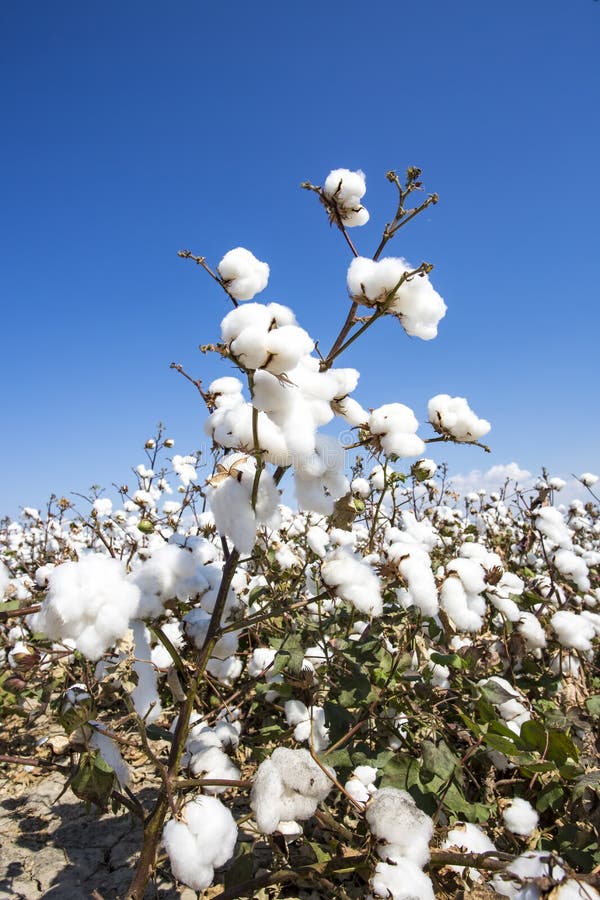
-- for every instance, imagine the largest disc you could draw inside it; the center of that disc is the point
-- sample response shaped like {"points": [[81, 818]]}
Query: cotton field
{"points": [[344, 678]]}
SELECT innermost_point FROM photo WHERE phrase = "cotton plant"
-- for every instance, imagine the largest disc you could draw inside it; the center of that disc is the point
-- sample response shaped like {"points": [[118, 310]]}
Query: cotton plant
{"points": [[344, 665]]}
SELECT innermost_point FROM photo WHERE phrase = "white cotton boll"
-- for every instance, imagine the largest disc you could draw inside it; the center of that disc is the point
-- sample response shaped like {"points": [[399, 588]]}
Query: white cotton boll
{"points": [[243, 274], [424, 468], [531, 865], [165, 575], [111, 755], [261, 659], [588, 479], [557, 484], [396, 423], [318, 540], [572, 630], [89, 602], [252, 315], [102, 506], [520, 817], [455, 601], [373, 282], [181, 847], [360, 487], [285, 347], [572, 567], [414, 565], [531, 630], [452, 416], [295, 712], [160, 656], [575, 890], [419, 307], [468, 838], [439, 675], [145, 694], [357, 790], [227, 671], [550, 522], [203, 841], [351, 411], [212, 763], [225, 387], [185, 468], [470, 573], [353, 581], [401, 881], [346, 188], [394, 818], [286, 787], [250, 347]]}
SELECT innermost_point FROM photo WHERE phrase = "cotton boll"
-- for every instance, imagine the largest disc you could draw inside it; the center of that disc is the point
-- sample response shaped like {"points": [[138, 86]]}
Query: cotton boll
{"points": [[145, 694], [252, 315], [550, 522], [318, 540], [531, 865], [285, 347], [402, 881], [287, 787], [394, 818], [357, 790], [453, 417], [89, 602], [572, 567], [185, 468], [361, 487], [468, 838], [345, 189], [415, 567], [455, 601], [395, 424], [203, 841], [520, 817], [575, 890], [212, 763], [351, 411], [573, 630], [419, 307], [250, 347], [353, 581], [373, 282], [588, 479], [243, 274], [531, 630], [102, 506]]}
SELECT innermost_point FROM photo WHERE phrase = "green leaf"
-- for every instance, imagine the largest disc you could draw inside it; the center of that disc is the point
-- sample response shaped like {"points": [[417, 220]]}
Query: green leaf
{"points": [[533, 736], [592, 705], [561, 748], [551, 796], [339, 759], [94, 780], [438, 760], [453, 660]]}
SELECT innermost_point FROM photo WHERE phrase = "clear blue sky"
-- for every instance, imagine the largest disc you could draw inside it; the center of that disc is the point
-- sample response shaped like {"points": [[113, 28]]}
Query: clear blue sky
{"points": [[131, 130]]}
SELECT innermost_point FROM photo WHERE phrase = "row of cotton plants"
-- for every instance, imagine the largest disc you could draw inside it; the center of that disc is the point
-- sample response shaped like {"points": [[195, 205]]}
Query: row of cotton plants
{"points": [[378, 689]]}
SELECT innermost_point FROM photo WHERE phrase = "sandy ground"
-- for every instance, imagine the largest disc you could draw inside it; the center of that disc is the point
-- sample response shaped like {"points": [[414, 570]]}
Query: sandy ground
{"points": [[57, 850]]}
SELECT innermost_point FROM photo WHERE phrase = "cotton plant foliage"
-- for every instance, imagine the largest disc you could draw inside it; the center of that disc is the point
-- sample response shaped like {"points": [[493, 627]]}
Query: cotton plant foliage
{"points": [[332, 665]]}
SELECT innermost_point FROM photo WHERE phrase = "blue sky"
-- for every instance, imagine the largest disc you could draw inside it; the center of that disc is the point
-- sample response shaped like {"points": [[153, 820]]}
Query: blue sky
{"points": [[131, 130]]}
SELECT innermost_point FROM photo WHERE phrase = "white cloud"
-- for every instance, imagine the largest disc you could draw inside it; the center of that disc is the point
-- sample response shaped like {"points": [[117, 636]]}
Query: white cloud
{"points": [[493, 479]]}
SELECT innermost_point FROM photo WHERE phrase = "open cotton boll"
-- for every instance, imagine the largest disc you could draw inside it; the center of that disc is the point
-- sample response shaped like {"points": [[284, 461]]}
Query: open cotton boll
{"points": [[468, 838], [288, 787], [309, 724], [575, 890], [319, 478], [5, 578], [414, 565], [528, 866], [572, 567], [372, 282], [550, 522], [89, 602], [285, 347], [520, 817], [402, 881], [588, 479], [252, 315], [144, 696], [202, 841], [573, 630], [351, 411], [452, 417], [465, 610], [346, 188], [250, 347], [354, 581], [395, 424], [170, 572], [530, 628], [243, 274], [212, 763], [395, 819], [419, 307], [318, 540], [185, 468], [102, 506]]}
